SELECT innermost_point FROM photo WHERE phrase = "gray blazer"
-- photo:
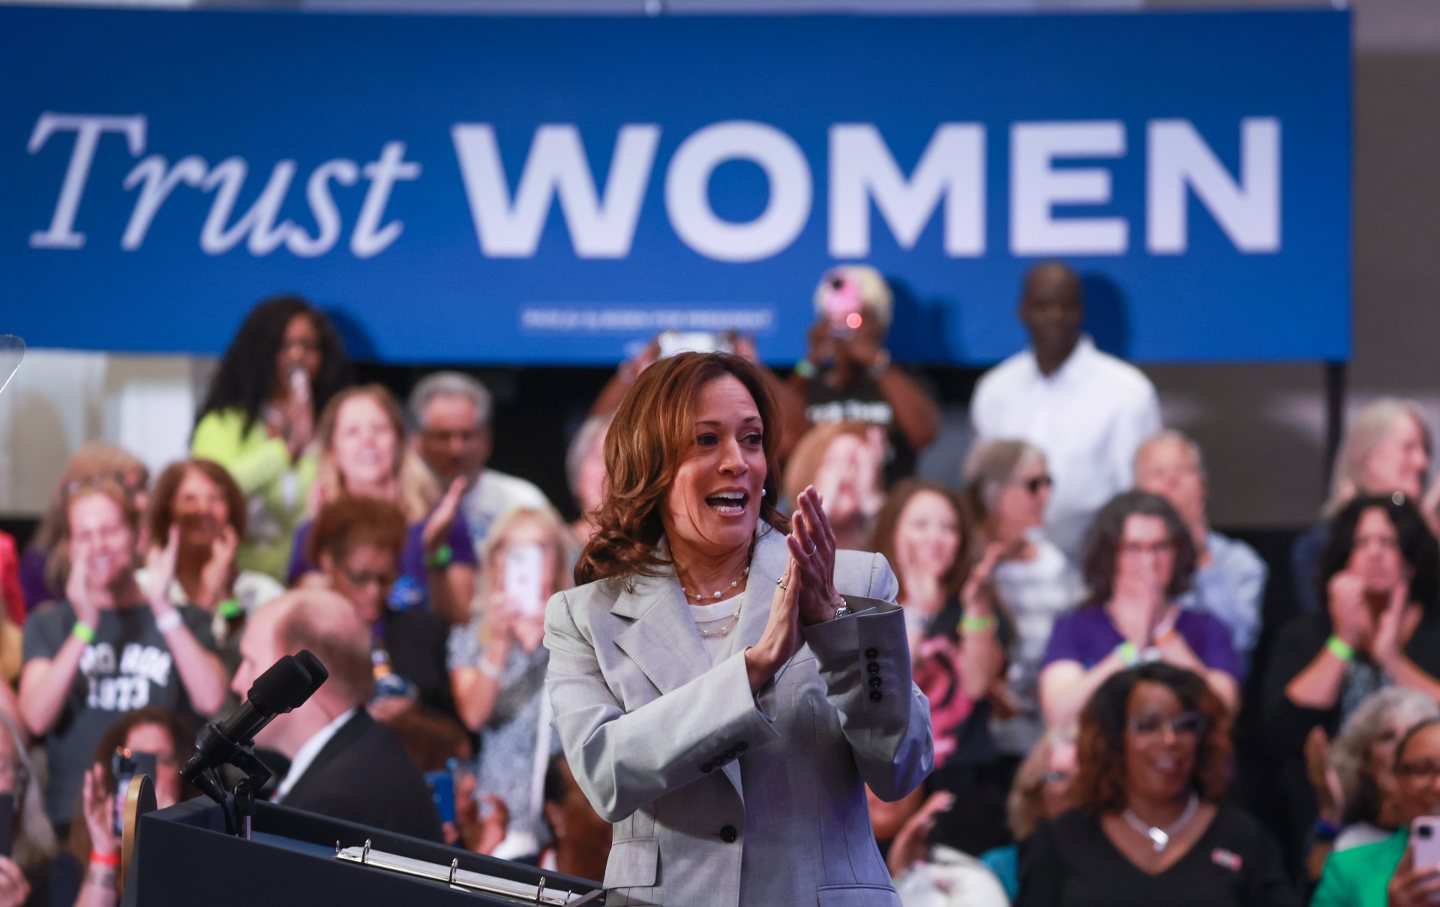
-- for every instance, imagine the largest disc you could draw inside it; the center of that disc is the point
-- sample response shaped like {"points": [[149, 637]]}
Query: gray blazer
{"points": [[724, 798]]}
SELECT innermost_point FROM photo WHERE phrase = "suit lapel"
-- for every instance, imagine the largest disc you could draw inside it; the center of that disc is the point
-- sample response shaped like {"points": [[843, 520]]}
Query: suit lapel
{"points": [[662, 640]]}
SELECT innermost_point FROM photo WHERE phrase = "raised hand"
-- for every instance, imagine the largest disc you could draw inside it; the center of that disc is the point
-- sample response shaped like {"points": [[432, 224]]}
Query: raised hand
{"points": [[781, 638], [437, 526], [1385, 642], [160, 569], [215, 575], [77, 589], [812, 554], [1349, 615]]}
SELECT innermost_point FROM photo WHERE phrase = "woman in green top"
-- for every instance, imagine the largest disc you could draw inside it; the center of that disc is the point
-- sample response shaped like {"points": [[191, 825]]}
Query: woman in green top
{"points": [[283, 365], [1384, 874]]}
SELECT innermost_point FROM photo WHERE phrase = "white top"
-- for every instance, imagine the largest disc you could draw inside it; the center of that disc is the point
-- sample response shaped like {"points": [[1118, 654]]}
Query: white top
{"points": [[492, 494], [1034, 593], [1089, 418], [949, 878], [308, 751], [716, 619]]}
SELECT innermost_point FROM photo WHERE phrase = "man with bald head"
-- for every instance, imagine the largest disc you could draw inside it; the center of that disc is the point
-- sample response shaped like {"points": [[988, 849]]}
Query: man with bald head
{"points": [[1087, 410], [342, 763]]}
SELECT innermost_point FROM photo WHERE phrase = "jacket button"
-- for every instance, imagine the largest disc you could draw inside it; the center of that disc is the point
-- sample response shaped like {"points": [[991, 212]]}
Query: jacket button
{"points": [[874, 683], [706, 767], [873, 667], [728, 834], [872, 653], [741, 747], [875, 696]]}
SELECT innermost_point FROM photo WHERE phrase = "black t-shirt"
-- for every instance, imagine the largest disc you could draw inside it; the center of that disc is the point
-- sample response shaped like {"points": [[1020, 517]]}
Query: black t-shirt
{"points": [[1071, 863], [861, 401]]}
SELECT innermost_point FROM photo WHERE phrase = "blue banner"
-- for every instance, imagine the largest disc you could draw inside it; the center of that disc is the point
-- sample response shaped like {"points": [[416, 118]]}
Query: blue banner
{"points": [[547, 190]]}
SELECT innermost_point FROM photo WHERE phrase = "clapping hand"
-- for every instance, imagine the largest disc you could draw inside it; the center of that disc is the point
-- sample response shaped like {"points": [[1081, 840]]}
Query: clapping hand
{"points": [[440, 521], [812, 556]]}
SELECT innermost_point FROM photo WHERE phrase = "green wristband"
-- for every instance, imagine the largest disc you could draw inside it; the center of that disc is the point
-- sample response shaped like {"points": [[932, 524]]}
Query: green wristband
{"points": [[805, 369], [1128, 653], [1340, 648], [83, 632], [978, 624], [441, 558], [230, 608]]}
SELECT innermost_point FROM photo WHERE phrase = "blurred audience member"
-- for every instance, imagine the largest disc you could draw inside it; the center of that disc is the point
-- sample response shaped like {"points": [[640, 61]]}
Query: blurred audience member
{"points": [[357, 542], [497, 668], [1087, 410], [585, 473], [93, 843], [257, 421], [1007, 485], [1229, 582], [1380, 628], [26, 869], [582, 838], [363, 453], [929, 873], [343, 764], [108, 647], [1354, 778], [198, 507], [843, 461], [1138, 561], [452, 413], [12, 593], [1152, 826], [1386, 449], [44, 566], [1044, 790], [847, 375], [954, 634], [1386, 874]]}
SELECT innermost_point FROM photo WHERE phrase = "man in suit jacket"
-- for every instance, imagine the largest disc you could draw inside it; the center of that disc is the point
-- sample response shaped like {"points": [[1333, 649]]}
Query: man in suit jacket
{"points": [[753, 799], [342, 763]]}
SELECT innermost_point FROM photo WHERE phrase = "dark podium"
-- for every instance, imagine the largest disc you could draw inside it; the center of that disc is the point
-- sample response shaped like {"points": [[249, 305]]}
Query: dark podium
{"points": [[183, 856]]}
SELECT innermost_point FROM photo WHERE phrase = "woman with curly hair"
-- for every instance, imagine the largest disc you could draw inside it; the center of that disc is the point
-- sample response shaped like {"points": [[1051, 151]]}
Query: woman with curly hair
{"points": [[1151, 826], [282, 367]]}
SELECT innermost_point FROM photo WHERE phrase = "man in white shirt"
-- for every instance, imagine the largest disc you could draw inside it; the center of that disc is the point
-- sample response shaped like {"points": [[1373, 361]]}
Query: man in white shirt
{"points": [[342, 763], [1087, 410], [452, 412], [1230, 577]]}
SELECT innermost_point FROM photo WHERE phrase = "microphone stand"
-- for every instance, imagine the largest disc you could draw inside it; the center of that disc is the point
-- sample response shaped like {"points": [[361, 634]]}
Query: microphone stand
{"points": [[238, 803]]}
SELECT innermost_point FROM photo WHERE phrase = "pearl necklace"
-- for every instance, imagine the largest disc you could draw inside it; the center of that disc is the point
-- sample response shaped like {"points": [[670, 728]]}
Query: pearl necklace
{"points": [[1160, 837], [734, 584], [718, 632]]}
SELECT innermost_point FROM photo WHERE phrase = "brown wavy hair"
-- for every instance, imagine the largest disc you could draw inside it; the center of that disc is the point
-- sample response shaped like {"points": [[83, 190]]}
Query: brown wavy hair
{"points": [[416, 489], [652, 434], [1102, 544], [888, 520], [162, 497], [1100, 779]]}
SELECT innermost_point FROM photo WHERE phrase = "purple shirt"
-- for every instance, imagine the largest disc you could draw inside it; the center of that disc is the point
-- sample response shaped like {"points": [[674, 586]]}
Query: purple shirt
{"points": [[1087, 636], [409, 590]]}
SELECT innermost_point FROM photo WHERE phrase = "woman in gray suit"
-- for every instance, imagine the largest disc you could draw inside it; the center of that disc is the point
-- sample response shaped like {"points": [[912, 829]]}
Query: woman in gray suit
{"points": [[723, 690]]}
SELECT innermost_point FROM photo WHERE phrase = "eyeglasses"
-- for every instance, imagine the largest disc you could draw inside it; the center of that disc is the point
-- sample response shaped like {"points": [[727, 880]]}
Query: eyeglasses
{"points": [[1036, 484], [1424, 770], [1185, 724], [384, 579]]}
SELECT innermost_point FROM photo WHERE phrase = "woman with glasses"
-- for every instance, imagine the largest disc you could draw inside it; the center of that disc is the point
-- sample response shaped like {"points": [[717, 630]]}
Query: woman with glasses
{"points": [[1007, 487], [1138, 559], [1380, 628], [357, 543], [363, 452], [109, 647], [281, 368], [1152, 825], [1386, 873]]}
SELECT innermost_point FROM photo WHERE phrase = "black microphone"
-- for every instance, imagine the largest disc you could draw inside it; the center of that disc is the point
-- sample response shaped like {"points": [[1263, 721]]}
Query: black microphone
{"points": [[285, 686]]}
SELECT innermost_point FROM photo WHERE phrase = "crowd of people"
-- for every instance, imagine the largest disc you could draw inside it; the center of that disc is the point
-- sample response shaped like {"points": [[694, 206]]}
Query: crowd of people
{"points": [[1084, 639]]}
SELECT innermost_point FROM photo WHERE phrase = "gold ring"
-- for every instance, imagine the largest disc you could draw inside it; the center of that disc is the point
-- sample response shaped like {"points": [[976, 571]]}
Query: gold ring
{"points": [[781, 583]]}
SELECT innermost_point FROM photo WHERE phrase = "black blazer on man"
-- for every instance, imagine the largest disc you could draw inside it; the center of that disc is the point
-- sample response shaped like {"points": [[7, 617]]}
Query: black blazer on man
{"points": [[364, 775]]}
